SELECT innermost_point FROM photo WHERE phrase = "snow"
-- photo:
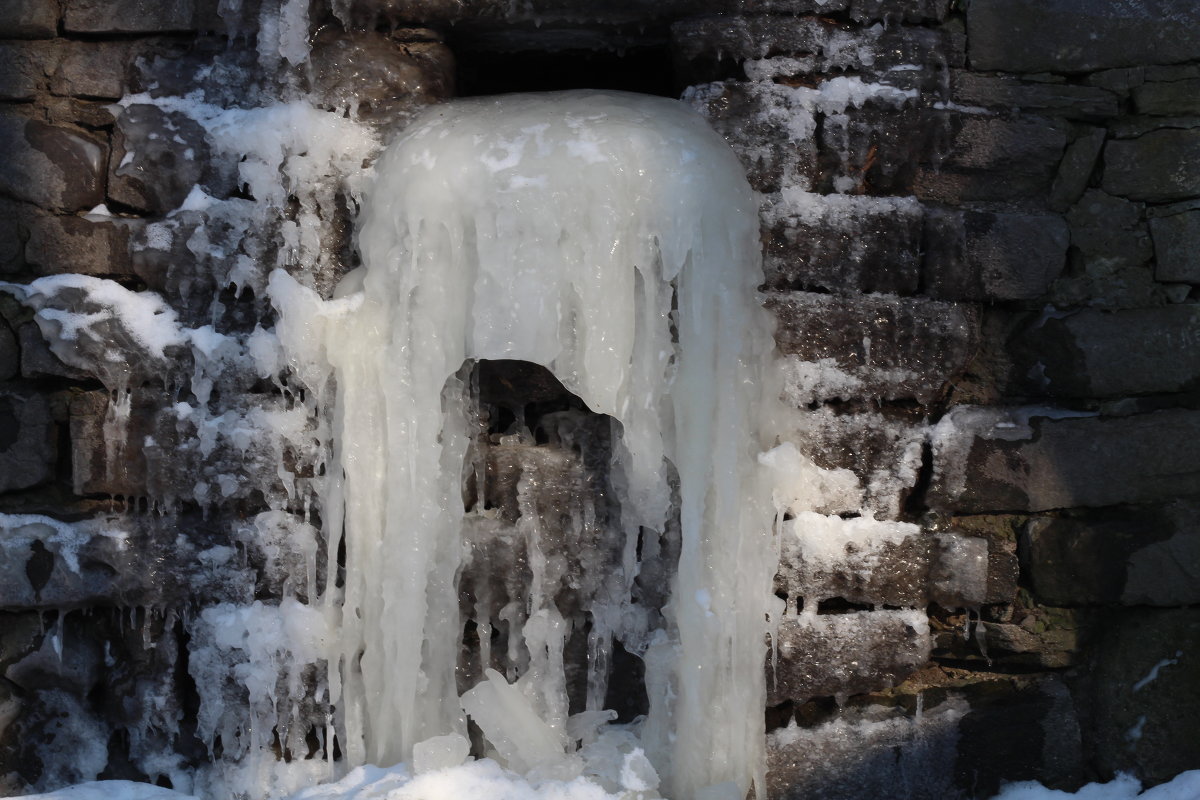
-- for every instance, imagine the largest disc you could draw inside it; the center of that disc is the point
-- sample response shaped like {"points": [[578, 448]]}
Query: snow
{"points": [[1185, 786]]}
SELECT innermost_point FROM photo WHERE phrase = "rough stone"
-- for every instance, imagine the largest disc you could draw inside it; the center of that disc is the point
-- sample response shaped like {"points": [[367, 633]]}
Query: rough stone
{"points": [[875, 750], [1098, 353], [822, 655], [877, 147], [1015, 459], [1006, 93], [982, 255], [10, 353], [1075, 169], [1117, 80], [24, 67], [158, 156], [1050, 639], [990, 158], [38, 361], [27, 441], [1177, 246], [102, 463], [1080, 35], [1145, 678], [1132, 127], [92, 69], [1145, 555], [29, 19], [51, 166], [1173, 98], [1003, 567], [871, 346], [843, 243], [769, 126], [220, 75], [1160, 166], [379, 76], [892, 10], [90, 246], [128, 16]]}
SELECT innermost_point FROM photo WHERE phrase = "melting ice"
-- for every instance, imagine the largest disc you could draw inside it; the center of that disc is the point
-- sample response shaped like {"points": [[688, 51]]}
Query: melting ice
{"points": [[612, 239]]}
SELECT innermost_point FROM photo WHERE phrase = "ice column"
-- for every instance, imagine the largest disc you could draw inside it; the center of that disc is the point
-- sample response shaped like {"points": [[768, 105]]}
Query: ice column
{"points": [[613, 239]]}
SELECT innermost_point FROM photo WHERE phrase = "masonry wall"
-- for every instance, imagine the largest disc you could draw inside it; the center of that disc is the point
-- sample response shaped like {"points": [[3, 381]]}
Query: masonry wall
{"points": [[980, 227]]}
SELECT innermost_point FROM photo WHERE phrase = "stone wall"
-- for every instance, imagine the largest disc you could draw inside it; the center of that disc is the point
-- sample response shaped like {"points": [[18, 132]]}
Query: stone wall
{"points": [[980, 223]]}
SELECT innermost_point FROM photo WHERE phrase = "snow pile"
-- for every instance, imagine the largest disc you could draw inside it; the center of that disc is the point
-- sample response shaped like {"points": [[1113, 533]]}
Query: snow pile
{"points": [[1185, 786]]}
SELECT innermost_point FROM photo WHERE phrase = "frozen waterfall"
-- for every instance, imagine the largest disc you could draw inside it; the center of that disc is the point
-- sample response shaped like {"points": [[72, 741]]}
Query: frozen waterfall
{"points": [[612, 239]]}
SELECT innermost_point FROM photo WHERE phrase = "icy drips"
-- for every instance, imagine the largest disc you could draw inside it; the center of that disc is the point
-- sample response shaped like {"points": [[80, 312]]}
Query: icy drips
{"points": [[612, 239]]}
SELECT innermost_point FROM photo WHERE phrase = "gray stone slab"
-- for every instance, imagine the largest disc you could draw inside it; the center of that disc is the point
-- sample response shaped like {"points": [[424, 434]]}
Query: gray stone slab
{"points": [[128, 16], [1023, 459], [871, 345], [983, 255], [1098, 353], [90, 246], [51, 166], [25, 67], [1080, 35], [29, 19], [1168, 98], [1177, 246], [27, 441], [1075, 169], [822, 655], [1160, 166], [158, 156], [93, 69], [1144, 555], [1006, 93]]}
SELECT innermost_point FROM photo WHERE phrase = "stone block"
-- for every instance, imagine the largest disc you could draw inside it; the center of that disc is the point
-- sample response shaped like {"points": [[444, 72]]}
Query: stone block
{"points": [[10, 352], [51, 166], [1075, 169], [1177, 245], [170, 68], [86, 245], [1037, 459], [27, 440], [881, 448], [868, 562], [1146, 555], [770, 127], [989, 158], [1160, 166], [115, 560], [869, 750], [825, 655], [1049, 639], [92, 69], [1168, 98], [128, 16], [871, 345], [984, 255], [1108, 264], [158, 156], [843, 243], [1080, 35], [38, 361], [1098, 353], [24, 68], [876, 148], [1143, 696], [377, 75], [1000, 531], [1007, 93], [29, 19]]}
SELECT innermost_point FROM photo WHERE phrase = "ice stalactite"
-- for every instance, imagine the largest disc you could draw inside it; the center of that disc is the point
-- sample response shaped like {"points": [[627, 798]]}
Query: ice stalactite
{"points": [[613, 239]]}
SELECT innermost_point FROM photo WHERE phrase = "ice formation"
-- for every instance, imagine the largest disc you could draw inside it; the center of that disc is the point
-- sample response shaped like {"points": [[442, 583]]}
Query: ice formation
{"points": [[613, 239]]}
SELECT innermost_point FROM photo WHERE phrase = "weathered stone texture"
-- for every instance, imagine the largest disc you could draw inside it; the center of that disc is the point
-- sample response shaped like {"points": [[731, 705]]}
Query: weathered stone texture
{"points": [[983, 255], [1160, 166], [1144, 555], [1145, 676], [990, 158], [158, 156], [1177, 244], [89, 246], [1095, 353], [51, 166], [1080, 35], [871, 346], [128, 16], [27, 442], [28, 19], [821, 655], [24, 68], [1075, 169], [1019, 460], [843, 243], [10, 352], [1006, 93], [1168, 98], [93, 69], [1109, 257]]}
